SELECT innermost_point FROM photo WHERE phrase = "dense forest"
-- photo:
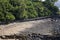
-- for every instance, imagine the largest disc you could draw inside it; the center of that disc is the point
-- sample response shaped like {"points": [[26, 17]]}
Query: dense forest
{"points": [[11, 10]]}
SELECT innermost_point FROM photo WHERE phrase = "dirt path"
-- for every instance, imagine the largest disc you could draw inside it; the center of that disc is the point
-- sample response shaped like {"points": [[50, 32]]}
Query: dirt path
{"points": [[25, 27]]}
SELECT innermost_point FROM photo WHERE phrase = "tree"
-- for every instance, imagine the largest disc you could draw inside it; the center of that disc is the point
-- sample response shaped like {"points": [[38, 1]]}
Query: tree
{"points": [[5, 11], [24, 9], [51, 7], [51, 1]]}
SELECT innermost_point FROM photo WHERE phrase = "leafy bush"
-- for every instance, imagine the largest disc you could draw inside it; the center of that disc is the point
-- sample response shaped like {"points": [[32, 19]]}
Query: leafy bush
{"points": [[23, 9]]}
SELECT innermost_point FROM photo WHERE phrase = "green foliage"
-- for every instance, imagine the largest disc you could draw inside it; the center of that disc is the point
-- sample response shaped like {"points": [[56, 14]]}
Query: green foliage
{"points": [[23, 15], [9, 16], [23, 9], [51, 1], [51, 7], [1, 16]]}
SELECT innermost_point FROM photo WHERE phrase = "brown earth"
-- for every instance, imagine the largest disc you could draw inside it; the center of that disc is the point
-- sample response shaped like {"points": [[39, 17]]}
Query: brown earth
{"points": [[39, 26]]}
